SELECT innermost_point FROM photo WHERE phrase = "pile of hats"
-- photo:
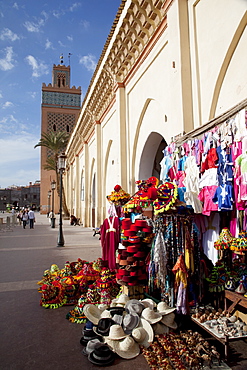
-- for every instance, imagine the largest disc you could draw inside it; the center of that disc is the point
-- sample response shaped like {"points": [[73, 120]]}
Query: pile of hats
{"points": [[77, 283], [132, 253], [124, 327], [225, 239], [101, 292], [239, 244]]}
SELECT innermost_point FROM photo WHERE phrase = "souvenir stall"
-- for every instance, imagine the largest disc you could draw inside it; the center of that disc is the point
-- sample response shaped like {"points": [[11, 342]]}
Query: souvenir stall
{"points": [[173, 252]]}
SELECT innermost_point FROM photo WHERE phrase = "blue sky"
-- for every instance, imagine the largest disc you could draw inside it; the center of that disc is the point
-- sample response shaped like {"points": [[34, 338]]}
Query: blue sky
{"points": [[33, 35]]}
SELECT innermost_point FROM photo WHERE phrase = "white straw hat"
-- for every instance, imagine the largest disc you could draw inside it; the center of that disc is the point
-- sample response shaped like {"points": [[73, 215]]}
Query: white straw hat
{"points": [[126, 348], [113, 302], [150, 333], [106, 314], [143, 334], [122, 300], [151, 316], [102, 307], [164, 309], [148, 302], [169, 321], [116, 332], [92, 313]]}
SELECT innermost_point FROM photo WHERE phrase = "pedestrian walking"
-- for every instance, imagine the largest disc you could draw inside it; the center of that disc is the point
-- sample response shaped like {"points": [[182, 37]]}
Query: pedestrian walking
{"points": [[24, 219], [19, 216], [51, 216], [31, 217]]}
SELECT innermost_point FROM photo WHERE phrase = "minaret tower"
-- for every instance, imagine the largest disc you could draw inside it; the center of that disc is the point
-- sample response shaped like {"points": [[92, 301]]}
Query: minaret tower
{"points": [[60, 109]]}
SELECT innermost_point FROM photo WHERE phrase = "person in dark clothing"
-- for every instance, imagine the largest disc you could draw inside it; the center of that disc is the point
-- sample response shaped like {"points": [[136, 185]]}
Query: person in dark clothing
{"points": [[73, 220]]}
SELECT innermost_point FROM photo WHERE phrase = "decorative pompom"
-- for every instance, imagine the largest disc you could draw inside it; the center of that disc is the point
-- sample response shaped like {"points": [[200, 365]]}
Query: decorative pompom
{"points": [[117, 188]]}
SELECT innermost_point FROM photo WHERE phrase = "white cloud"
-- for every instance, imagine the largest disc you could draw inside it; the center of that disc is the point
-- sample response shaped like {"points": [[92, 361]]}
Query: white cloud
{"points": [[45, 15], [70, 38], [74, 6], [61, 44], [15, 6], [7, 34], [33, 94], [88, 61], [7, 63], [21, 165], [7, 104], [34, 27], [57, 14], [48, 44], [39, 69], [1, 95], [85, 24]]}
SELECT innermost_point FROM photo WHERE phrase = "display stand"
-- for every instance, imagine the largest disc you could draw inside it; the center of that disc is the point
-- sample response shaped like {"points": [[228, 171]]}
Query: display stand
{"points": [[222, 339], [236, 299]]}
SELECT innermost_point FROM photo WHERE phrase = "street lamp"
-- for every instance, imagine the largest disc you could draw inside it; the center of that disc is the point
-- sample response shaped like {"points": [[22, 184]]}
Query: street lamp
{"points": [[49, 202], [61, 169], [53, 187]]}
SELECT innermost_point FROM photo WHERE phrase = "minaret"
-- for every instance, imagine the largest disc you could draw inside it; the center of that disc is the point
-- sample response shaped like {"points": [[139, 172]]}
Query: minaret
{"points": [[60, 109]]}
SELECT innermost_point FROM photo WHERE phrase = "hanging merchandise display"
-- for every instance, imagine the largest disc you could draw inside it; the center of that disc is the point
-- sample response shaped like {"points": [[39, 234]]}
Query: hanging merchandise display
{"points": [[171, 250]]}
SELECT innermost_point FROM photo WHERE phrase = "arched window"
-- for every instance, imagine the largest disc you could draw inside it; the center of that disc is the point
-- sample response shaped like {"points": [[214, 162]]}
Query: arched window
{"points": [[54, 127], [67, 128]]}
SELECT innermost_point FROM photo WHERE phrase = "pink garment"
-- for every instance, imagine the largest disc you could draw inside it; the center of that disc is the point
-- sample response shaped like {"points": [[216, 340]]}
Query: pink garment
{"points": [[240, 204], [110, 237], [180, 176], [236, 149], [241, 181], [206, 196]]}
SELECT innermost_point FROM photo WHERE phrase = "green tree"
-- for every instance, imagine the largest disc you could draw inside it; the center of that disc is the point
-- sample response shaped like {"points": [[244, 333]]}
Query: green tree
{"points": [[56, 142]]}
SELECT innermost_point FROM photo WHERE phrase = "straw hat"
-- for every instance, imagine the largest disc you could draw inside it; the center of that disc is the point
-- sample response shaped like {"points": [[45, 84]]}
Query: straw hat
{"points": [[102, 306], [169, 321], [106, 314], [151, 316], [130, 321], [92, 313], [143, 334], [116, 332], [160, 328], [164, 309], [113, 302], [148, 302], [126, 348], [134, 306], [102, 356], [122, 300]]}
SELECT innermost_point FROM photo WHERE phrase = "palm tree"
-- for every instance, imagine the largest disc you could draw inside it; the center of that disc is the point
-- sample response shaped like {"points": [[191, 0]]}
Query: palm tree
{"points": [[56, 142]]}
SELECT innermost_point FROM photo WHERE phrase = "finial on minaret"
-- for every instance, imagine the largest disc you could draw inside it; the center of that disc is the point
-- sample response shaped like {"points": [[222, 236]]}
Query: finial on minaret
{"points": [[69, 57], [61, 59]]}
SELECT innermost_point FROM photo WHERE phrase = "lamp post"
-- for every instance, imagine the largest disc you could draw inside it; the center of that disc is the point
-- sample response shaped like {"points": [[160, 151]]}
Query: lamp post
{"points": [[53, 187], [61, 169], [49, 202]]}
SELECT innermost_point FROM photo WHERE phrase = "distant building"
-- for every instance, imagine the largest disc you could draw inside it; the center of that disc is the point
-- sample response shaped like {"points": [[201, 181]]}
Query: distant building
{"points": [[20, 196], [60, 110]]}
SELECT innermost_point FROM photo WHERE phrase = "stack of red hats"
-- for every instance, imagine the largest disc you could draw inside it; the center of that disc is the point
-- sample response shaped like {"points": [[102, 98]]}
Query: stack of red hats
{"points": [[132, 253]]}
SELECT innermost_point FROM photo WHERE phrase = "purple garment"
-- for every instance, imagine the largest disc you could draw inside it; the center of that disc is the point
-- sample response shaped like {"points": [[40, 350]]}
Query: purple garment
{"points": [[182, 300]]}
